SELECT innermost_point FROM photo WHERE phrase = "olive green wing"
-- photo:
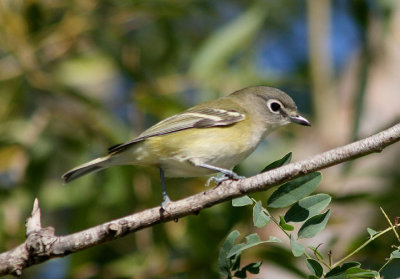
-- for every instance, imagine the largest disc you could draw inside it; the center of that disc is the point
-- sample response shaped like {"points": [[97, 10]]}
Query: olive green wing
{"points": [[197, 117]]}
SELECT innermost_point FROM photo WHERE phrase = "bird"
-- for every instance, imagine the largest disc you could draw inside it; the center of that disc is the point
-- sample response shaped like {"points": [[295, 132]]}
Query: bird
{"points": [[208, 138]]}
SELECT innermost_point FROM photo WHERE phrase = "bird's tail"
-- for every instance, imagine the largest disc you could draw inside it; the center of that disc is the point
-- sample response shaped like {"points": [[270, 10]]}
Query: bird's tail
{"points": [[89, 167]]}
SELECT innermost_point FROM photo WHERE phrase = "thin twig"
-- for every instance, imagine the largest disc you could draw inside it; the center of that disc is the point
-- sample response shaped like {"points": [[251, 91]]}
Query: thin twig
{"points": [[390, 223], [361, 246]]}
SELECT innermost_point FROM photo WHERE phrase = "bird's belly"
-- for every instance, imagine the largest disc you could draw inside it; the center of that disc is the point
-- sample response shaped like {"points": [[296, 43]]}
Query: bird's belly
{"points": [[187, 166], [175, 168], [222, 152]]}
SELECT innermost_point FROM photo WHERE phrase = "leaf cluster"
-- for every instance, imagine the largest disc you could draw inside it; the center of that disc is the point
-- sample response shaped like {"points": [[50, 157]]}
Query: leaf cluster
{"points": [[302, 208]]}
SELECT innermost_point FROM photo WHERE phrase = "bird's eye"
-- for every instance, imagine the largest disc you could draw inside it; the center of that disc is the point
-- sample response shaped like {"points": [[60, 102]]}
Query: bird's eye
{"points": [[274, 106]]}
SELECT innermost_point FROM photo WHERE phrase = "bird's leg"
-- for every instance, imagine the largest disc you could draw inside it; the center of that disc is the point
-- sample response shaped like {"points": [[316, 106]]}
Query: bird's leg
{"points": [[165, 198], [228, 174]]}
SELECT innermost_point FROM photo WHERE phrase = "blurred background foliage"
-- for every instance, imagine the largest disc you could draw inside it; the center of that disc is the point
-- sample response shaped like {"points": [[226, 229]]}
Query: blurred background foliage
{"points": [[79, 76]]}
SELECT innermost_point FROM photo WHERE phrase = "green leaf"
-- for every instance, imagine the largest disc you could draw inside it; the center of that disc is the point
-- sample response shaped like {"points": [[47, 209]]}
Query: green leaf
{"points": [[307, 207], [240, 274], [253, 268], [357, 273], [348, 265], [315, 267], [294, 190], [312, 277], [314, 225], [242, 201], [297, 248], [224, 263], [371, 232], [339, 272], [229, 242], [283, 161], [284, 225], [335, 273], [274, 239], [235, 262], [395, 254], [251, 241], [260, 219]]}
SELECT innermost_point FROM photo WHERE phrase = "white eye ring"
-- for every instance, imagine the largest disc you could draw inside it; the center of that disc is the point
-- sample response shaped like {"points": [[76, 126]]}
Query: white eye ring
{"points": [[274, 106]]}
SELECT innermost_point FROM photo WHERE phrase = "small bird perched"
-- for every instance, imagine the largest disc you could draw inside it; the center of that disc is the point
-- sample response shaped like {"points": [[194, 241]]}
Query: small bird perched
{"points": [[208, 138]]}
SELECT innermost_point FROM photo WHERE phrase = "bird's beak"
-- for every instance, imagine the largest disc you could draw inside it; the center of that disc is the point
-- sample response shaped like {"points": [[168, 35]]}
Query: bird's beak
{"points": [[298, 119]]}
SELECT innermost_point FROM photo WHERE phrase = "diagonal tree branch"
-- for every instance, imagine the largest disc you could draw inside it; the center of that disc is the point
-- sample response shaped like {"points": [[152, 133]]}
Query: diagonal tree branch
{"points": [[42, 244]]}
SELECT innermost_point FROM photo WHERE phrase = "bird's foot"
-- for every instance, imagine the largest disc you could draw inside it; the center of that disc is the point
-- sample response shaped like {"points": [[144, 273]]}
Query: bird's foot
{"points": [[165, 201], [219, 180]]}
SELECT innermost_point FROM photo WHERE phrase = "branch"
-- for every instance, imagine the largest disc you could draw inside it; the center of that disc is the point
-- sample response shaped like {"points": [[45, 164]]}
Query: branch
{"points": [[42, 244]]}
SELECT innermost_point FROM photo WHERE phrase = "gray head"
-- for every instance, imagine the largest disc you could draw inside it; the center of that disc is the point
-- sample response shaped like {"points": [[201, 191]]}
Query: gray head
{"points": [[273, 105]]}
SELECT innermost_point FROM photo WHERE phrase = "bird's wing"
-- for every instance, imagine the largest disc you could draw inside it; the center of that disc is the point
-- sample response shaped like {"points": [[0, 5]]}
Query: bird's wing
{"points": [[197, 117]]}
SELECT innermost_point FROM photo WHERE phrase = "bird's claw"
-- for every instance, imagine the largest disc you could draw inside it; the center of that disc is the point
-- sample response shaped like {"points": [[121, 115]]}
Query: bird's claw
{"points": [[166, 200], [219, 180]]}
